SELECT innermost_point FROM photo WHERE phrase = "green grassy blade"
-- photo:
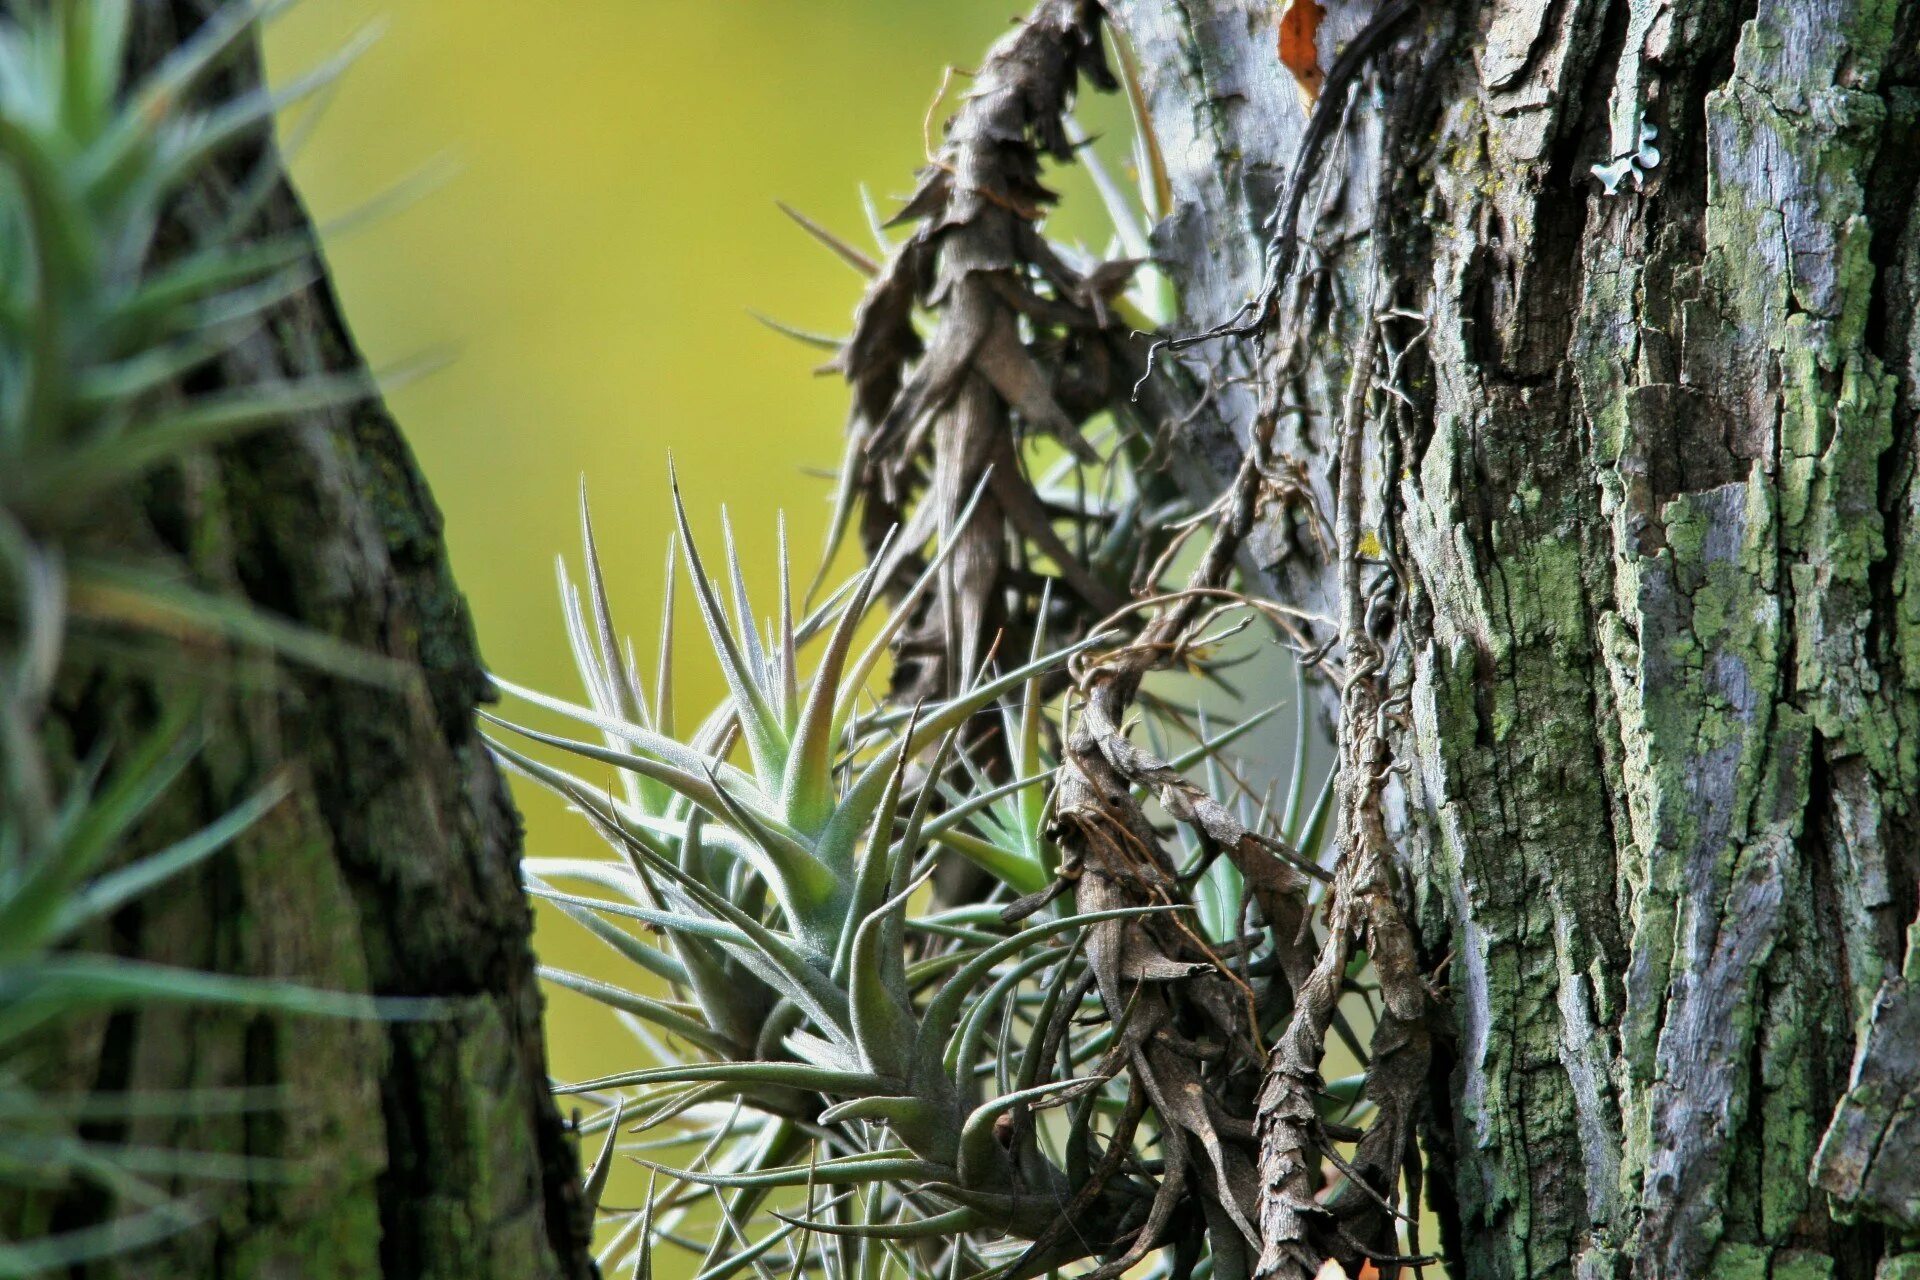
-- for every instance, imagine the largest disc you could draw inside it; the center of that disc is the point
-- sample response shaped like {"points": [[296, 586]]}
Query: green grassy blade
{"points": [[858, 804], [871, 876], [663, 674], [586, 660], [1297, 771], [615, 877], [718, 984], [1209, 749], [961, 809], [628, 702], [939, 1226], [1016, 871], [893, 1165], [108, 391], [241, 117], [963, 1048], [753, 944], [772, 960], [595, 1185], [1031, 1063], [162, 298], [789, 657], [693, 784], [745, 624], [1308, 841], [104, 589], [19, 1104], [904, 1111], [943, 1011], [89, 469], [688, 764], [803, 883], [81, 981], [568, 787], [672, 921], [649, 958], [883, 1025], [30, 907], [869, 660], [846, 490], [976, 1135], [48, 1254], [808, 793]]}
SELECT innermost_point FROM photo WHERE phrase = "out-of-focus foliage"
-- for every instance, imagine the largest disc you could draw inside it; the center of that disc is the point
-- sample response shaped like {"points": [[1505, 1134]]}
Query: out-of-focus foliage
{"points": [[107, 302]]}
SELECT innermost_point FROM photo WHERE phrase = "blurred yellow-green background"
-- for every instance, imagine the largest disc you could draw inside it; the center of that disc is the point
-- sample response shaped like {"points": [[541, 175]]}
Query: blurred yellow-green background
{"points": [[590, 261]]}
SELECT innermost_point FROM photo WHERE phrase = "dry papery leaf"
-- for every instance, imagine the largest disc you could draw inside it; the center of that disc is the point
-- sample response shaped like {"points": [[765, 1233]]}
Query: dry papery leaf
{"points": [[1025, 341], [1300, 47]]}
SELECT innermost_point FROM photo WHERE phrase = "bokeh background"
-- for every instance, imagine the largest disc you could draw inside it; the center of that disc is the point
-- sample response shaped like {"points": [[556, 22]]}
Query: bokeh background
{"points": [[596, 223]]}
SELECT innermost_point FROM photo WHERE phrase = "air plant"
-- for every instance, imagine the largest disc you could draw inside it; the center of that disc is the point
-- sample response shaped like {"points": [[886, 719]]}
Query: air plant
{"points": [[782, 887], [1049, 1062], [922, 1070], [1099, 1050], [108, 299]]}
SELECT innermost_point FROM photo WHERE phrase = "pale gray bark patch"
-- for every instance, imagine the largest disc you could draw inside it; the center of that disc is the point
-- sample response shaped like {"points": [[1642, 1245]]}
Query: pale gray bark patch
{"points": [[1228, 119]]}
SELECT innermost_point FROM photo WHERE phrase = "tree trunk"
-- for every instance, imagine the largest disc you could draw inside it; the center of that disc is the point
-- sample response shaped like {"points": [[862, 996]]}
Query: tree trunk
{"points": [[1644, 490], [416, 1148]]}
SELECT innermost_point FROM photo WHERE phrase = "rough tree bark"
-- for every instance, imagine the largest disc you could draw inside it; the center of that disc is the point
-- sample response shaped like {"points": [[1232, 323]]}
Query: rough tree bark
{"points": [[418, 1148], [1643, 493]]}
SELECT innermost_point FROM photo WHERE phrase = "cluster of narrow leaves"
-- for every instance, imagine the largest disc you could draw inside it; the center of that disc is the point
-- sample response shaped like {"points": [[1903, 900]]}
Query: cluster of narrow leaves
{"points": [[106, 305], [855, 1077]]}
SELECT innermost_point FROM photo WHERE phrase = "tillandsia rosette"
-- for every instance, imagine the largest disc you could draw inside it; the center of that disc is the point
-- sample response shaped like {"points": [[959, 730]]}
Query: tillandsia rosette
{"points": [[884, 1075], [855, 1060], [111, 294]]}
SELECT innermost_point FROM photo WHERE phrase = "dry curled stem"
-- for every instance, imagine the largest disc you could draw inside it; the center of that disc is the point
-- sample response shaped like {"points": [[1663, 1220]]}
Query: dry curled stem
{"points": [[1022, 343]]}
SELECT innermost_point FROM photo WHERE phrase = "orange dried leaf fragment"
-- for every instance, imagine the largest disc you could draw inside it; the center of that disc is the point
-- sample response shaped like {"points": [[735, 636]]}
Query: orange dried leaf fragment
{"points": [[1300, 46]]}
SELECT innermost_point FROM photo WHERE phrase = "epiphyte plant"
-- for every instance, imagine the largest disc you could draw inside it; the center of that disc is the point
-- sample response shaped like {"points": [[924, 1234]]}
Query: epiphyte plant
{"points": [[941, 1076], [784, 890]]}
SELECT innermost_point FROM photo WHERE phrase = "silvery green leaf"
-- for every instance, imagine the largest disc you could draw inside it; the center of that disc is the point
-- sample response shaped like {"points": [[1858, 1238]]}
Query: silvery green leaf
{"points": [[596, 1180], [676, 1019], [748, 1075], [893, 1165], [759, 722], [977, 1143], [940, 1226], [937, 1021]]}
